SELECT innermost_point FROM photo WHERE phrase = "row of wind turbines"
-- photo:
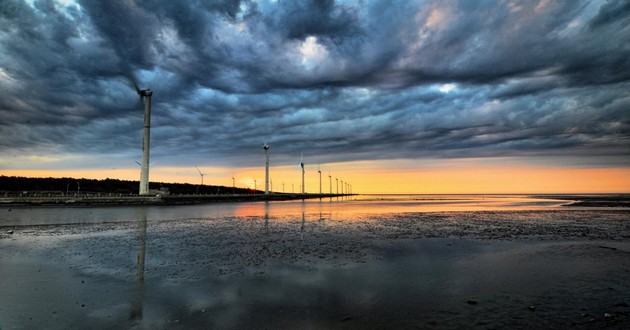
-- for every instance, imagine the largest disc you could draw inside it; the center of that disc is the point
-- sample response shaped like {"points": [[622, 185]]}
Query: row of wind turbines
{"points": [[346, 188], [146, 94]]}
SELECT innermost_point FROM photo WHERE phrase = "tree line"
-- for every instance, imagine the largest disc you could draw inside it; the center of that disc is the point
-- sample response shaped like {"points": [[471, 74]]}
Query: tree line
{"points": [[74, 185]]}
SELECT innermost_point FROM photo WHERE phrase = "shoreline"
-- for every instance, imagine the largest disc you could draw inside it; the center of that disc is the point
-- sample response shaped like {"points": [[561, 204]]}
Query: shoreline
{"points": [[156, 200], [603, 200], [577, 200]]}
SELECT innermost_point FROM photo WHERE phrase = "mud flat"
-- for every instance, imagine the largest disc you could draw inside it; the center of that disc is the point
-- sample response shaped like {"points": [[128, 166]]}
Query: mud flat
{"points": [[450, 270], [604, 200]]}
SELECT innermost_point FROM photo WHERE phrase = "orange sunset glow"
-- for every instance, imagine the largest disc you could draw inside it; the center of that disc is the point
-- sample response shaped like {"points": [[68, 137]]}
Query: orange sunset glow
{"points": [[373, 177]]}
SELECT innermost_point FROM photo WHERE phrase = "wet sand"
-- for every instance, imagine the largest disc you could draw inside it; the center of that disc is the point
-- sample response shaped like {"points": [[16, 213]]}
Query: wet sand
{"points": [[449, 270]]}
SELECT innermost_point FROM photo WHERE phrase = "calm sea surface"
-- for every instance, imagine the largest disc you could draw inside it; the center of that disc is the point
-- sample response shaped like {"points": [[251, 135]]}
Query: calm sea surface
{"points": [[256, 265], [339, 208]]}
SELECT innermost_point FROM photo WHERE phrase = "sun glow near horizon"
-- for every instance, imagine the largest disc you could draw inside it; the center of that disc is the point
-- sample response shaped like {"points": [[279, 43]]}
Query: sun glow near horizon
{"points": [[382, 176]]}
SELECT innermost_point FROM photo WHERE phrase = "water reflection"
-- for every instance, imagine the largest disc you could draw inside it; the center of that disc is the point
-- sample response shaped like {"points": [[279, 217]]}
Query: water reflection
{"points": [[138, 294], [320, 211], [303, 220], [267, 217], [346, 208]]}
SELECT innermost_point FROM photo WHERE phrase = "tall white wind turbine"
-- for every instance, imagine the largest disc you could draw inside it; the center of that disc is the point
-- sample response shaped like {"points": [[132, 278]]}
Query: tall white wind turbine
{"points": [[266, 148], [146, 133]]}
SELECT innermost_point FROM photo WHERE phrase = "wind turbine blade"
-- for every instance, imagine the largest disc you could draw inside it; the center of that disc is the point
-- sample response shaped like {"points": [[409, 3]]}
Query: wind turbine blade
{"points": [[198, 170], [130, 80], [137, 162]]}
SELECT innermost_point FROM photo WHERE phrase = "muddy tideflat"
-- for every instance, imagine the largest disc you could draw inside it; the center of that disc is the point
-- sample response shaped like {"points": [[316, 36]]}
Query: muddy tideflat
{"points": [[321, 270]]}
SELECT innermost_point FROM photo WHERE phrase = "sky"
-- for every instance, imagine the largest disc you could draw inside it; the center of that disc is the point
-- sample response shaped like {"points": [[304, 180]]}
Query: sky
{"points": [[390, 96]]}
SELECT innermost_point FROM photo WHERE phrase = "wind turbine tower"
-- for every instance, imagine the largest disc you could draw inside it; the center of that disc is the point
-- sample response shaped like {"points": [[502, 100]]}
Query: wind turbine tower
{"points": [[320, 179], [330, 182], [144, 167], [266, 148], [302, 165]]}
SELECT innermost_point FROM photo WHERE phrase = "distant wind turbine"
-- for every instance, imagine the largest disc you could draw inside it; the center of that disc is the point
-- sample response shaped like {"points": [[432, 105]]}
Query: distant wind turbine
{"points": [[139, 164], [302, 165], [320, 179], [202, 174], [330, 182]]}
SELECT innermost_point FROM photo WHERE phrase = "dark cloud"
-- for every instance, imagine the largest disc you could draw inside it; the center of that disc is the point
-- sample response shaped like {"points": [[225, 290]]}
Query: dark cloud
{"points": [[613, 12], [344, 80]]}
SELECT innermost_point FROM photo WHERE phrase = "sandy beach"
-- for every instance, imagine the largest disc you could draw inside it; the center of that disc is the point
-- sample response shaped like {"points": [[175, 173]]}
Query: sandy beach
{"points": [[445, 270]]}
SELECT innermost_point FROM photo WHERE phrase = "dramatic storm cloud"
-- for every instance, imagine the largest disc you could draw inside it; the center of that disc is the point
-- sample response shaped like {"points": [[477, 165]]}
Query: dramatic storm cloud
{"points": [[343, 80]]}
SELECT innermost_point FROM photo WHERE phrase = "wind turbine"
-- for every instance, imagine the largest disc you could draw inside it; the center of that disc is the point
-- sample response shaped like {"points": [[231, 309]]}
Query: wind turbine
{"points": [[266, 148], [150, 164], [202, 174], [330, 182], [320, 179], [144, 167], [302, 165]]}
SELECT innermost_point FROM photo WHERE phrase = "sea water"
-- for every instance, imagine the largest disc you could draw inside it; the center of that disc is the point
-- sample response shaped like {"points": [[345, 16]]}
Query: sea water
{"points": [[346, 208]]}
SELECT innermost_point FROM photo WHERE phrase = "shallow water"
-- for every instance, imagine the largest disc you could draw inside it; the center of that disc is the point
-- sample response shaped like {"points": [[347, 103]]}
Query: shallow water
{"points": [[434, 283], [348, 208], [372, 262]]}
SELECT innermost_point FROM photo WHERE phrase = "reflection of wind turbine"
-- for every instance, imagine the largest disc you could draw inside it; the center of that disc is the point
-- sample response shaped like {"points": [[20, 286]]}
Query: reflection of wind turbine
{"points": [[266, 147], [267, 217], [303, 222], [302, 165], [320, 179], [144, 167], [137, 300]]}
